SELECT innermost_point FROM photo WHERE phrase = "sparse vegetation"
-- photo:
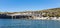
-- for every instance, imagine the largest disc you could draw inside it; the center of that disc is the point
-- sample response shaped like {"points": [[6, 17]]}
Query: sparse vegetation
{"points": [[55, 12]]}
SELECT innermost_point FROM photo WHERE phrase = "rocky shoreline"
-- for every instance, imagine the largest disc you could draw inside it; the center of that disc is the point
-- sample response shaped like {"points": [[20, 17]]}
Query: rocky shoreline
{"points": [[50, 14], [47, 18]]}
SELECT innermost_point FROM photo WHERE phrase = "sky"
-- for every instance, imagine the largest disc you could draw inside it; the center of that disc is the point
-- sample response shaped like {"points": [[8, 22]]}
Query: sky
{"points": [[27, 5]]}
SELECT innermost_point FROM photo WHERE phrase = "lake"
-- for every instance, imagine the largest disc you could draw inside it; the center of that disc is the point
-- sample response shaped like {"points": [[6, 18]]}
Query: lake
{"points": [[19, 23]]}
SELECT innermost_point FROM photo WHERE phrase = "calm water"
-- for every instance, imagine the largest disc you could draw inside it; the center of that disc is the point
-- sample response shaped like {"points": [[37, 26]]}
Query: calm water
{"points": [[17, 23]]}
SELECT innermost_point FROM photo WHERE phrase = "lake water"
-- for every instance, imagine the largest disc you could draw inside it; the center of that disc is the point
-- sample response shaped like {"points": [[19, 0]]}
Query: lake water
{"points": [[18, 23]]}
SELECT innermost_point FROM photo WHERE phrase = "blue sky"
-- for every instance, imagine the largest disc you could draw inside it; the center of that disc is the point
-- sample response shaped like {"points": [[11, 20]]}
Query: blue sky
{"points": [[25, 5]]}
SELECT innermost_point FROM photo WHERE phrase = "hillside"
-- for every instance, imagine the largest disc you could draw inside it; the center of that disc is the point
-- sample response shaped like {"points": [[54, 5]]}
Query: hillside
{"points": [[52, 12]]}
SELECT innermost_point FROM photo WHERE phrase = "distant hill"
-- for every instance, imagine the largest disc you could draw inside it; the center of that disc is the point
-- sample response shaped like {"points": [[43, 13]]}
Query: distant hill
{"points": [[52, 12]]}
